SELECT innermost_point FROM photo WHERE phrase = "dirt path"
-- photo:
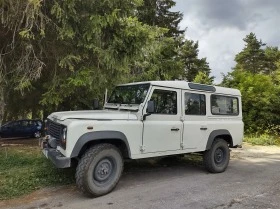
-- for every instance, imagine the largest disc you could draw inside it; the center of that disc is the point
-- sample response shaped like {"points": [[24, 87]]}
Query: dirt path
{"points": [[252, 180]]}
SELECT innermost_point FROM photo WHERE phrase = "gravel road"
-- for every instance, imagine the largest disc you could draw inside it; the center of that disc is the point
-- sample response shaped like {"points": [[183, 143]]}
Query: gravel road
{"points": [[252, 180]]}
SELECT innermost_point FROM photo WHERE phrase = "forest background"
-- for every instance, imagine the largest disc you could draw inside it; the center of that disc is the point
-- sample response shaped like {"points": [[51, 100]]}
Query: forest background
{"points": [[60, 55]]}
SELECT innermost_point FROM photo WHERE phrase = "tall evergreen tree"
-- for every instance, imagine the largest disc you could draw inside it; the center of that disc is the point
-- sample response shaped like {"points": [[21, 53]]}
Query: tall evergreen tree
{"points": [[77, 47], [252, 57], [177, 57], [157, 13], [192, 64]]}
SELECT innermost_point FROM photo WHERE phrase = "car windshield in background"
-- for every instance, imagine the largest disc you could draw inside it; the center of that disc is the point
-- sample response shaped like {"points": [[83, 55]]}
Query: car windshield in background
{"points": [[131, 94]]}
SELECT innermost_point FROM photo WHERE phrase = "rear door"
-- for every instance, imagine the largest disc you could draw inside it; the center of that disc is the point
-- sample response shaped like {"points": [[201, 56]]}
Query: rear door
{"points": [[163, 129], [194, 105], [27, 128], [18, 128]]}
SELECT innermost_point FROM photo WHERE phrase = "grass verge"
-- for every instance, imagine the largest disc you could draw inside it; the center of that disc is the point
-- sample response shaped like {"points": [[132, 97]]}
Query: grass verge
{"points": [[263, 139], [25, 169]]}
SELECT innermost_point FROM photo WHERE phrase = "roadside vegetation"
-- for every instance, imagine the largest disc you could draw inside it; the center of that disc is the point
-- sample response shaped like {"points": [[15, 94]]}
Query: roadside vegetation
{"points": [[24, 169], [265, 137], [262, 139]]}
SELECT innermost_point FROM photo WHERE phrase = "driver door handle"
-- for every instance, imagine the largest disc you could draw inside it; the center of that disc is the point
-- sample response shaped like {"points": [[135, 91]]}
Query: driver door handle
{"points": [[175, 129]]}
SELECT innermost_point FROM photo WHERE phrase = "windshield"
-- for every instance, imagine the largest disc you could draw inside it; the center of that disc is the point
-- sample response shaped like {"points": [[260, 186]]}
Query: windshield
{"points": [[131, 94]]}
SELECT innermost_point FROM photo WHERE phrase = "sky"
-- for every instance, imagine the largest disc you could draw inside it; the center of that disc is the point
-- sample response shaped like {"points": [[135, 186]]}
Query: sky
{"points": [[220, 26]]}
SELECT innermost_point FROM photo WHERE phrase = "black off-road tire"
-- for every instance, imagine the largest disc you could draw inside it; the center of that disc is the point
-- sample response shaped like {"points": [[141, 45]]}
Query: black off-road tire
{"points": [[216, 159], [99, 170]]}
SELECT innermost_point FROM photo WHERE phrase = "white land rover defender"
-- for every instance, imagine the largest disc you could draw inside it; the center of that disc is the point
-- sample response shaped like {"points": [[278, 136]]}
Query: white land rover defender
{"points": [[143, 120]]}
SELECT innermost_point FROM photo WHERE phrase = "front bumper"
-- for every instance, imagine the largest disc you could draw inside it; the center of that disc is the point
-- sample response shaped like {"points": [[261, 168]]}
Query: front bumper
{"points": [[59, 160]]}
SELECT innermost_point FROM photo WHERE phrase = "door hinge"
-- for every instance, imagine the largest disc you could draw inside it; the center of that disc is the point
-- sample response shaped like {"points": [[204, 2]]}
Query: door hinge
{"points": [[142, 148], [182, 145], [182, 118]]}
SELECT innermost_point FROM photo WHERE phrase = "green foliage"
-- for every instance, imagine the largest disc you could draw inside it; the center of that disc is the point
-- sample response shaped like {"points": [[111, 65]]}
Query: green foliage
{"points": [[262, 139], [157, 12], [260, 99], [203, 78], [25, 169], [174, 57], [70, 51], [256, 75], [102, 44], [192, 64], [252, 57]]}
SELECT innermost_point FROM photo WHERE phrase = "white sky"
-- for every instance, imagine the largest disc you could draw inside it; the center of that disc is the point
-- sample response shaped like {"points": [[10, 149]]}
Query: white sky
{"points": [[220, 25]]}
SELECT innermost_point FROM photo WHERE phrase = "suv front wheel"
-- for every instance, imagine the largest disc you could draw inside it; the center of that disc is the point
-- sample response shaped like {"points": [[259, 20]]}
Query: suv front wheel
{"points": [[99, 170], [216, 159]]}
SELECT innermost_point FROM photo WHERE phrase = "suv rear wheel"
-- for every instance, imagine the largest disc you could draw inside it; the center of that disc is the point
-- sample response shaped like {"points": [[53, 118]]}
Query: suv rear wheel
{"points": [[99, 170], [216, 159]]}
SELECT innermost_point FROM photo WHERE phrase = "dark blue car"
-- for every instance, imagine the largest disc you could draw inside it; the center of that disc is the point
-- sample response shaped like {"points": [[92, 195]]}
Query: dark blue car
{"points": [[21, 128]]}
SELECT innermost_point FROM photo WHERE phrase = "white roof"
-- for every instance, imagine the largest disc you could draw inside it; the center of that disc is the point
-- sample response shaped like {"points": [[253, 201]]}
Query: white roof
{"points": [[185, 85]]}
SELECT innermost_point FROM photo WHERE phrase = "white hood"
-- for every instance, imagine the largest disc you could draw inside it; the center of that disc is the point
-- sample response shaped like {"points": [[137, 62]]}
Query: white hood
{"points": [[94, 115]]}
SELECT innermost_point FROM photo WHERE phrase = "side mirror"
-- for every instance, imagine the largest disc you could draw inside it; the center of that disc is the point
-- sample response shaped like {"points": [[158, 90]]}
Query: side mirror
{"points": [[151, 107], [95, 104]]}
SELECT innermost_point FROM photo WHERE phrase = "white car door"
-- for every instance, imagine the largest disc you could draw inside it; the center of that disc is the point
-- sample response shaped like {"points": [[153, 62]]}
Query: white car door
{"points": [[163, 129], [196, 130]]}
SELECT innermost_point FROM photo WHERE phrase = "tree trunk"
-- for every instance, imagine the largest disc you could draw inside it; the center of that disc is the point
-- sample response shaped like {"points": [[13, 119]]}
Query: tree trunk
{"points": [[2, 104]]}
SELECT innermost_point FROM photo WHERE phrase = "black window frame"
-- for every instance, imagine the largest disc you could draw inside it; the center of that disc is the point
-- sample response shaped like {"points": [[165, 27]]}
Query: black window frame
{"points": [[200, 103], [157, 89], [233, 97]]}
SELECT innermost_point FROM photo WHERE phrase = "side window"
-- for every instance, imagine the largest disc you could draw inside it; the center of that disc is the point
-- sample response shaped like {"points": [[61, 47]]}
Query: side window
{"points": [[165, 101], [7, 126], [195, 104], [16, 124], [24, 123], [224, 105]]}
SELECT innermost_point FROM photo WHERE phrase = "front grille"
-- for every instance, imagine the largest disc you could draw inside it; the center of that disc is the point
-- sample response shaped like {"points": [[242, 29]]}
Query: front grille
{"points": [[54, 129]]}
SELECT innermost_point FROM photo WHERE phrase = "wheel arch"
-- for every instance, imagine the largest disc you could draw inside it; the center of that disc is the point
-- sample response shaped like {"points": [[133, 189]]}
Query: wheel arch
{"points": [[97, 137], [221, 133]]}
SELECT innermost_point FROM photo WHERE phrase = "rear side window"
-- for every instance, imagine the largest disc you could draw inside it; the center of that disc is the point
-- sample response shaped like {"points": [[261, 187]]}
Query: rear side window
{"points": [[165, 101], [195, 104], [224, 105]]}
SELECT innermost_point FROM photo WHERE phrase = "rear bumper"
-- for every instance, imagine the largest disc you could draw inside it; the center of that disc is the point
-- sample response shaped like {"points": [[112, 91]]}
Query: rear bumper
{"points": [[59, 160]]}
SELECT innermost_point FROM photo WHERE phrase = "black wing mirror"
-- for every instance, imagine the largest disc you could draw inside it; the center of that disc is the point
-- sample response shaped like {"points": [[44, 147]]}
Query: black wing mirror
{"points": [[151, 107], [95, 104]]}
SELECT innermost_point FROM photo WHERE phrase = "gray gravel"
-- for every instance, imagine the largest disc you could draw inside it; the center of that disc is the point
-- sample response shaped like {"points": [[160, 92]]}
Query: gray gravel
{"points": [[252, 180]]}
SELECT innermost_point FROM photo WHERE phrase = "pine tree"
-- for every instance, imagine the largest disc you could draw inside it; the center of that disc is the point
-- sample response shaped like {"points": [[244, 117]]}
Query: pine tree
{"points": [[157, 13], [192, 64], [252, 57], [177, 57]]}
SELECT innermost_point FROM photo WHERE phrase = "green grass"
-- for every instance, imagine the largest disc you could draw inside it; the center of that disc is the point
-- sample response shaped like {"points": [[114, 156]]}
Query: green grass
{"points": [[263, 139], [25, 169]]}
